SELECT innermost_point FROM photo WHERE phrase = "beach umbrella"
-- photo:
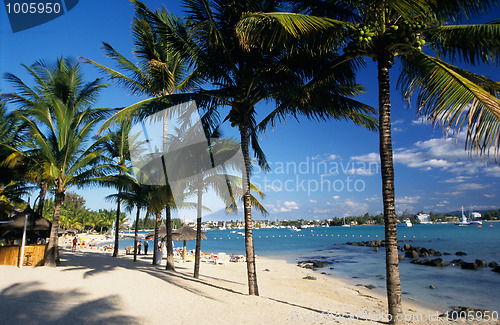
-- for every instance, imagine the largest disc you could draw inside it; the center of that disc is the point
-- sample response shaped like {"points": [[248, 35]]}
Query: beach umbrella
{"points": [[185, 233], [162, 232], [36, 226]]}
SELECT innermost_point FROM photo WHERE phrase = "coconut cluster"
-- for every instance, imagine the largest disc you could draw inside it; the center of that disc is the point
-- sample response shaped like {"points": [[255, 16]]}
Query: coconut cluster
{"points": [[364, 37]]}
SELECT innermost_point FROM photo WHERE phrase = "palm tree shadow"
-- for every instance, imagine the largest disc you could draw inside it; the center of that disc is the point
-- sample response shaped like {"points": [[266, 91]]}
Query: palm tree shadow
{"points": [[28, 303], [96, 263]]}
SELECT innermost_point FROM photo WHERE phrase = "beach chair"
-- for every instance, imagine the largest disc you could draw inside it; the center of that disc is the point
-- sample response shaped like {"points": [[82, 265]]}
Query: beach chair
{"points": [[129, 250], [222, 258]]}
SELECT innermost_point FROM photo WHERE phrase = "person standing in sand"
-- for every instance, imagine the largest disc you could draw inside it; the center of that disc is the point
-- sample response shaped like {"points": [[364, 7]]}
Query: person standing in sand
{"points": [[139, 245], [146, 247], [75, 241]]}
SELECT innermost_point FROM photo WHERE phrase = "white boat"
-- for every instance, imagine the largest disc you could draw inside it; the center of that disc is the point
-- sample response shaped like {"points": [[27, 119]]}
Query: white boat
{"points": [[405, 223], [344, 224], [295, 228], [464, 221]]}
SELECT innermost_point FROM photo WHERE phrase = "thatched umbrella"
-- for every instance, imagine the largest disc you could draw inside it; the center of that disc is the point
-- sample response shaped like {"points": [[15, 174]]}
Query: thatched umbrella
{"points": [[185, 233], [162, 232], [36, 227]]}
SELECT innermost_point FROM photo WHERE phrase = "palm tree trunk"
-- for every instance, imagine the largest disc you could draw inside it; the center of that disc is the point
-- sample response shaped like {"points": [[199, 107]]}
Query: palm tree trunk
{"points": [[117, 227], [198, 234], [170, 248], [136, 232], [41, 200], [388, 192], [52, 256], [253, 288], [155, 240]]}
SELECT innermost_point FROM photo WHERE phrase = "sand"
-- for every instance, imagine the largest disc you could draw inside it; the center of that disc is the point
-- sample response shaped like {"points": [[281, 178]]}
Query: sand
{"points": [[91, 287]]}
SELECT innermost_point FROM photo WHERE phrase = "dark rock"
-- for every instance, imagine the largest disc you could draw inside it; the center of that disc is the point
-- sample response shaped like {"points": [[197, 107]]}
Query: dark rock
{"points": [[460, 254], [469, 266], [416, 261], [456, 262], [331, 268], [432, 287], [412, 254], [309, 277], [437, 262], [313, 264], [446, 253], [493, 264], [406, 247], [401, 257], [380, 276], [424, 255], [266, 270], [323, 272], [481, 263], [496, 269], [368, 286], [378, 242], [375, 249]]}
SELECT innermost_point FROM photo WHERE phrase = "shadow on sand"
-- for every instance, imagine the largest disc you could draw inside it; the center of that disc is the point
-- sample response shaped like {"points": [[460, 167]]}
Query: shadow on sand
{"points": [[40, 306]]}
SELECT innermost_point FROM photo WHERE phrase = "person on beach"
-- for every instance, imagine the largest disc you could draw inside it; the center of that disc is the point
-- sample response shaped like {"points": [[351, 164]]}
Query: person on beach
{"points": [[75, 241], [139, 246], [146, 247]]}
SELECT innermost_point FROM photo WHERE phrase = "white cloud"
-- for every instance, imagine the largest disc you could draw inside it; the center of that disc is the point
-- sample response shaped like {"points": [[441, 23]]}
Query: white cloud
{"points": [[408, 199], [336, 197], [313, 201], [421, 121], [289, 206], [360, 171], [371, 157], [270, 187], [471, 186], [374, 198]]}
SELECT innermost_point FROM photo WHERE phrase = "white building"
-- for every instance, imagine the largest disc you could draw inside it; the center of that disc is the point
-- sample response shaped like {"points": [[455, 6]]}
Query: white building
{"points": [[475, 215], [424, 218]]}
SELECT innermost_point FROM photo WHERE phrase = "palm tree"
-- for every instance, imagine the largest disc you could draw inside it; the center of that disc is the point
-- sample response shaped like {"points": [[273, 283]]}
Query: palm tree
{"points": [[389, 30], [116, 147], [160, 72], [58, 113], [242, 79]]}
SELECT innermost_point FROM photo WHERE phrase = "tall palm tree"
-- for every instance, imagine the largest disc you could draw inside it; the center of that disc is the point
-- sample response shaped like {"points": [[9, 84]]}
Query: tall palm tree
{"points": [[57, 110], [242, 79], [159, 72], [116, 147], [388, 30]]}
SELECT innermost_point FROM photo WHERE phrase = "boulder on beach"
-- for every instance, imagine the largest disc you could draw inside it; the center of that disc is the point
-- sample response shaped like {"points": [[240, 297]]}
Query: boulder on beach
{"points": [[493, 264], [401, 257], [460, 254], [496, 269], [313, 264]]}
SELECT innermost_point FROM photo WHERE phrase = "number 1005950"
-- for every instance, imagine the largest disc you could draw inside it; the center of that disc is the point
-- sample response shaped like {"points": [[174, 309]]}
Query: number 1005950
{"points": [[33, 8]]}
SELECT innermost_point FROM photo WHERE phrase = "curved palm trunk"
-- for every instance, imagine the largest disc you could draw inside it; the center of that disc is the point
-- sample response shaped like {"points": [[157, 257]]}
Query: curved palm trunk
{"points": [[253, 288], [52, 254], [198, 235], [136, 232], [170, 248], [155, 240], [41, 200], [117, 227], [388, 192]]}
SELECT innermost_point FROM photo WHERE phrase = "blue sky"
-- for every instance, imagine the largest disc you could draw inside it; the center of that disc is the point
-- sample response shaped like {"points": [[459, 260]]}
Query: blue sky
{"points": [[319, 170]]}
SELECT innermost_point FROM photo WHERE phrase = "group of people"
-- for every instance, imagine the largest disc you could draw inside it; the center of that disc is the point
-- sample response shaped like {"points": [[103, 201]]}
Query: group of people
{"points": [[139, 247]]}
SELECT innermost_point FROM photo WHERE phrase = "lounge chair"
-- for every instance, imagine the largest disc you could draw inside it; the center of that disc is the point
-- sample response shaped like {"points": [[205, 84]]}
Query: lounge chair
{"points": [[222, 258], [129, 250]]}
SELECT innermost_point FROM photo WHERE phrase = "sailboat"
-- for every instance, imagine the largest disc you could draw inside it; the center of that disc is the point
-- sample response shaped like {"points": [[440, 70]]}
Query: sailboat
{"points": [[344, 224], [464, 221]]}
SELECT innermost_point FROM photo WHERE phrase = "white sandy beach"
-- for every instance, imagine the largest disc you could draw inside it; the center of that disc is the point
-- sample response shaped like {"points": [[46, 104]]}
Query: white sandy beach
{"points": [[91, 287]]}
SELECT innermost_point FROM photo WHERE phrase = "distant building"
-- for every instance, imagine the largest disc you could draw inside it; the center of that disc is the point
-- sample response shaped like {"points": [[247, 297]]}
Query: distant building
{"points": [[423, 218], [475, 215]]}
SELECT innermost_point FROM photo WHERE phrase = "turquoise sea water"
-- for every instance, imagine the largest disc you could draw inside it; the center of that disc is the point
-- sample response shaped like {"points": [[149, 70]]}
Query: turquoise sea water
{"points": [[454, 286]]}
